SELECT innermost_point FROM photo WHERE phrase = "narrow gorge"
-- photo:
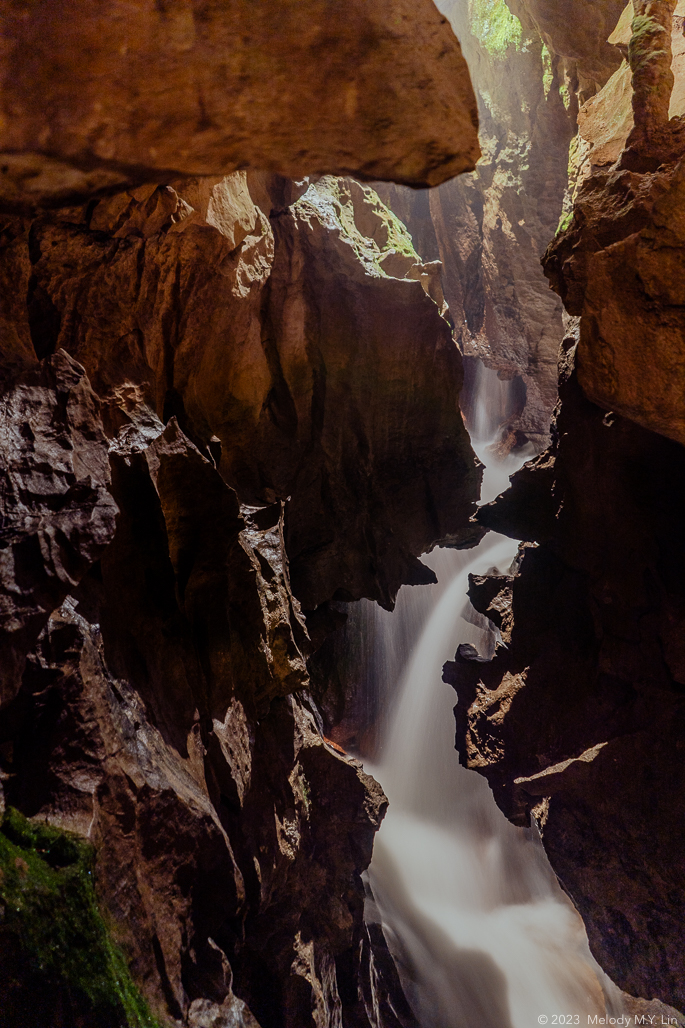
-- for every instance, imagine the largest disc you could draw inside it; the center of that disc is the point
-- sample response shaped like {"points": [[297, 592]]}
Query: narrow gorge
{"points": [[342, 380]]}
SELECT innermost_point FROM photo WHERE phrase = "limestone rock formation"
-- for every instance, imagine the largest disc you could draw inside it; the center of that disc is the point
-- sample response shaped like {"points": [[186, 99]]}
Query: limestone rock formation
{"points": [[215, 411], [139, 92], [57, 510], [606, 119], [579, 35], [619, 268], [326, 321], [210, 810], [617, 264]]}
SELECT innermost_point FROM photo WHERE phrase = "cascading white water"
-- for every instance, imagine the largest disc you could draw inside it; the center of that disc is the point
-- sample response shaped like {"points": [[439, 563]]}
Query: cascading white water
{"points": [[480, 930]]}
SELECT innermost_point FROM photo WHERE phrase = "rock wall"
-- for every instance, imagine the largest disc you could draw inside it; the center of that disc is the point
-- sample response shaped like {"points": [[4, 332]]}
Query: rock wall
{"points": [[578, 34], [577, 720], [135, 92], [215, 412]]}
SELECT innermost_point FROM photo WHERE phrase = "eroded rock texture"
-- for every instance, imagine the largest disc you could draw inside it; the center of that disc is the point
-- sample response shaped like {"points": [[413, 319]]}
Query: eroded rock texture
{"points": [[578, 34], [216, 816], [135, 92], [58, 514], [578, 719], [216, 412], [617, 265], [323, 324]]}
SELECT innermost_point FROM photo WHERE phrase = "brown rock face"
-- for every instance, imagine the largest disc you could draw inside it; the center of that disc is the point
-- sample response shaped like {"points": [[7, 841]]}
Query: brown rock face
{"points": [[578, 33], [650, 57], [204, 401], [577, 721], [608, 118], [156, 718], [617, 265], [135, 92], [211, 809], [283, 349], [57, 511]]}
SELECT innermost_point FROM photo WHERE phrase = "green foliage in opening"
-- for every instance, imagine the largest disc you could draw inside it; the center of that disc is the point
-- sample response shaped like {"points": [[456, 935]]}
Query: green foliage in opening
{"points": [[51, 924], [495, 27], [565, 94]]}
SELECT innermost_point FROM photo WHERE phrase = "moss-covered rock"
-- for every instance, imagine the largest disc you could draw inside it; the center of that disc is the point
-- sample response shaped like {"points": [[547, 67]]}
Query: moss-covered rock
{"points": [[57, 958], [495, 27], [363, 220]]}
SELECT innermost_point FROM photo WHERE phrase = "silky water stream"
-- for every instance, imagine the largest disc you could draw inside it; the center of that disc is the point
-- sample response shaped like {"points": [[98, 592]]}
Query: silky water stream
{"points": [[480, 930]]}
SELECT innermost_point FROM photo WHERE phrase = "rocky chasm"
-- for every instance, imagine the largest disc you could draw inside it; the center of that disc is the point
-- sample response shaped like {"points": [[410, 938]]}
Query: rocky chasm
{"points": [[231, 373], [577, 719]]}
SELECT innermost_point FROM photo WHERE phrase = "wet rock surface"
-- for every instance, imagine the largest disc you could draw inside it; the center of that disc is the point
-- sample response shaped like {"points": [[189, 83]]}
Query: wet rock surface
{"points": [[58, 514], [156, 718], [200, 848]]}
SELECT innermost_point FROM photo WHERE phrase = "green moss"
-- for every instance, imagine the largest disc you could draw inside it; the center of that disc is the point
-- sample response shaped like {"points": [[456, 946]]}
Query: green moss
{"points": [[305, 794], [565, 94], [547, 73], [50, 922], [564, 222], [494, 26], [572, 170], [645, 41], [373, 231]]}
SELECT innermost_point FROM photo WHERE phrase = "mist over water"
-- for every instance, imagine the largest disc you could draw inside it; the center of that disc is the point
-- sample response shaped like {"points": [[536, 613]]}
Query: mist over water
{"points": [[480, 930]]}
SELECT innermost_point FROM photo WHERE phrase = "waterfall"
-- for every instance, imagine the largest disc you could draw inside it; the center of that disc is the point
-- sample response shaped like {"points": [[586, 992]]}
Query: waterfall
{"points": [[480, 930]]}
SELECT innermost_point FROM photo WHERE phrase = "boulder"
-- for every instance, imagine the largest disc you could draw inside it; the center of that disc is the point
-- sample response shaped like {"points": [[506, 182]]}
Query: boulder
{"points": [[129, 93]]}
